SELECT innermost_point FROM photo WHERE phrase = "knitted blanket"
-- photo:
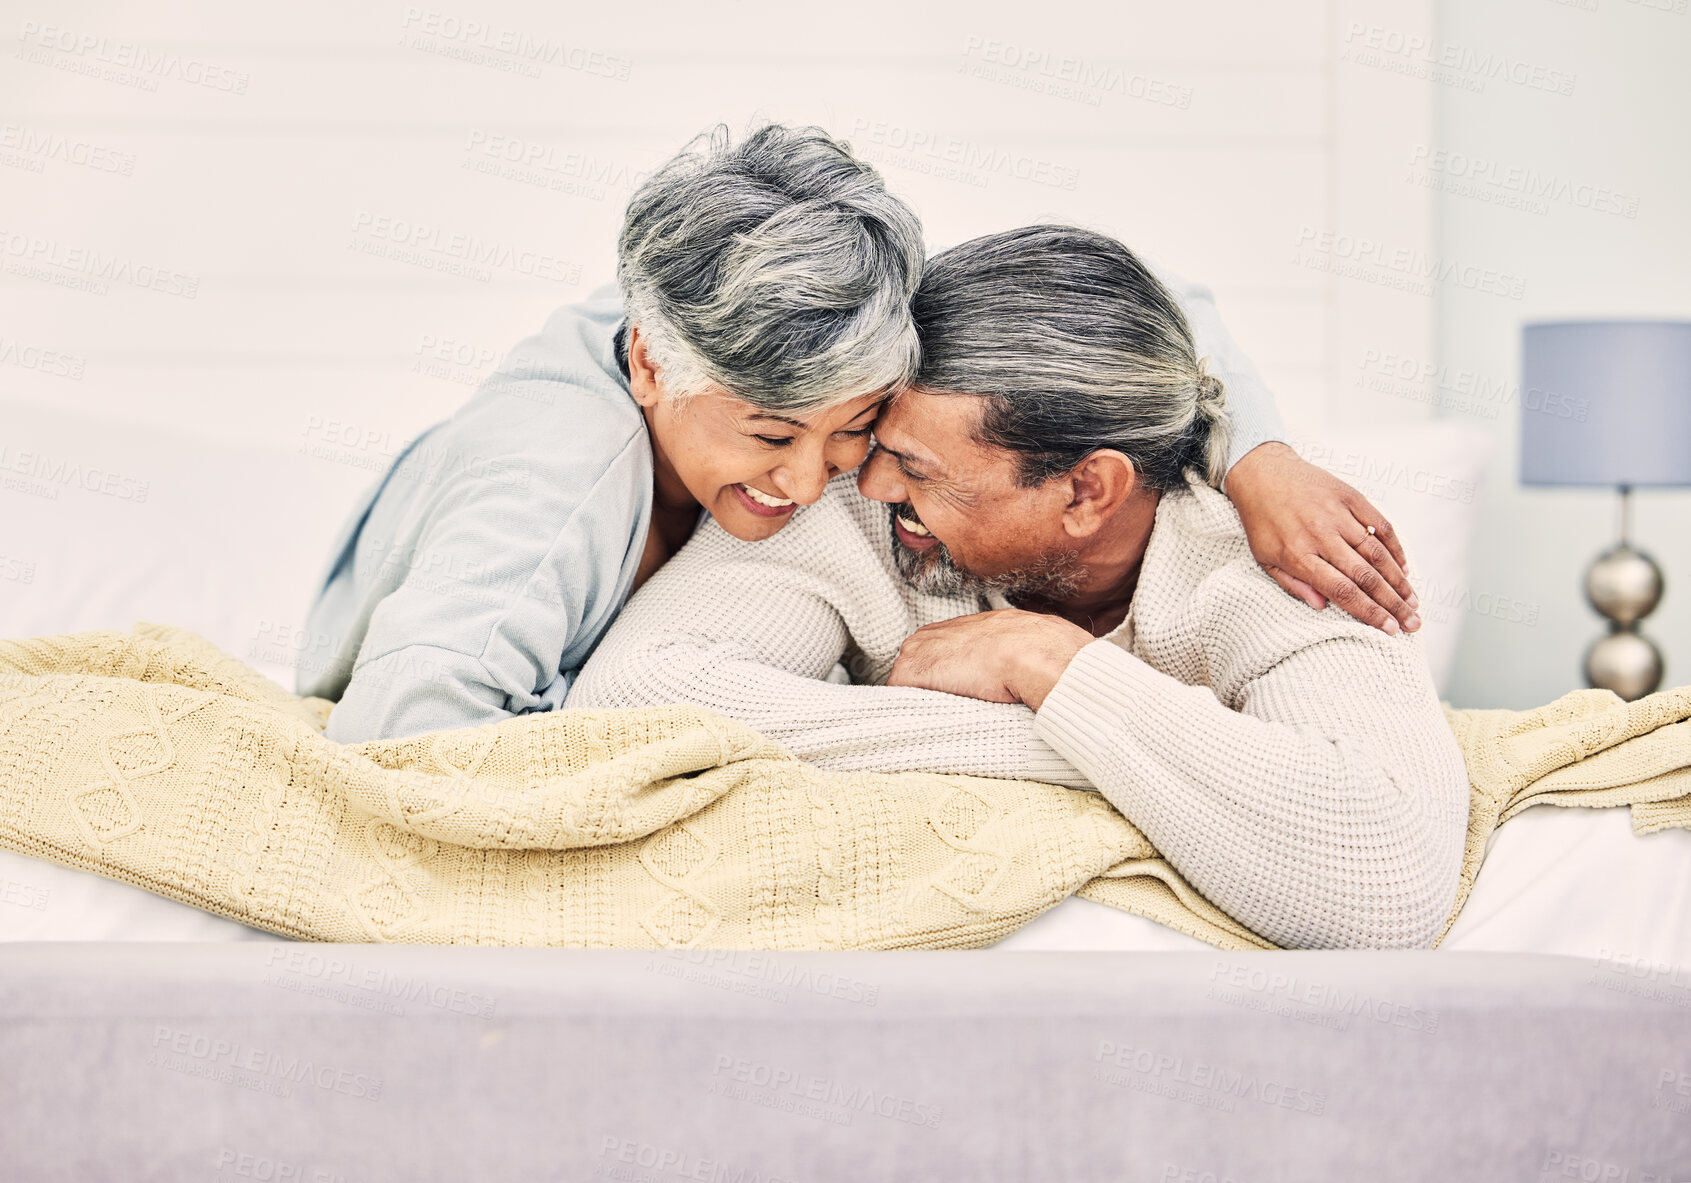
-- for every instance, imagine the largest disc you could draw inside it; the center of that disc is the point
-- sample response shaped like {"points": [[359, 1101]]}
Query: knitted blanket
{"points": [[154, 758]]}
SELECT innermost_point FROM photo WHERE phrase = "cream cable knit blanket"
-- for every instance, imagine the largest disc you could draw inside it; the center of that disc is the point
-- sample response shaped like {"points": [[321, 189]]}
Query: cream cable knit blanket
{"points": [[154, 758]]}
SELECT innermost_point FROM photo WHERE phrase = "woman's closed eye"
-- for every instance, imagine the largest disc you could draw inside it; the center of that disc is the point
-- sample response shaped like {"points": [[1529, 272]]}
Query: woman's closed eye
{"points": [[781, 441]]}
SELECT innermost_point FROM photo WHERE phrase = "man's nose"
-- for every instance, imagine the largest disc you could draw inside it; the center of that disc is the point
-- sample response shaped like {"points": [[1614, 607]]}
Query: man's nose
{"points": [[878, 480]]}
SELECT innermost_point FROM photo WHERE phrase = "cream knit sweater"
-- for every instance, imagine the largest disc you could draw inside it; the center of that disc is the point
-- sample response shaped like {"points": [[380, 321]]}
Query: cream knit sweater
{"points": [[1294, 766]]}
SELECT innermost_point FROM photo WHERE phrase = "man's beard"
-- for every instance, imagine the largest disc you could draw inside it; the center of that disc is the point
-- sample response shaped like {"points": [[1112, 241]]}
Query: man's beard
{"points": [[933, 572]]}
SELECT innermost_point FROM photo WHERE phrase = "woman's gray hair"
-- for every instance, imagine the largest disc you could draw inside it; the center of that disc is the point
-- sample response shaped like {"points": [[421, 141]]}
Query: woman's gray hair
{"points": [[1076, 346], [779, 269]]}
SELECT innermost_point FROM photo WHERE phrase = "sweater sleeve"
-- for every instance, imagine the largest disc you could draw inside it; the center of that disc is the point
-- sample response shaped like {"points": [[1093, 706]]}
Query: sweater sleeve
{"points": [[1324, 805], [506, 584], [413, 690], [752, 630], [1251, 411]]}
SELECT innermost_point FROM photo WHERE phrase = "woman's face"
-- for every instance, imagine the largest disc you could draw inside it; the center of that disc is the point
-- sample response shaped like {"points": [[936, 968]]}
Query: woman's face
{"points": [[749, 467]]}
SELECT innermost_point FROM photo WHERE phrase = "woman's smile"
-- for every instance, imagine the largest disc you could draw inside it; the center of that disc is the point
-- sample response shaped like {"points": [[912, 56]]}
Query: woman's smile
{"points": [[764, 505]]}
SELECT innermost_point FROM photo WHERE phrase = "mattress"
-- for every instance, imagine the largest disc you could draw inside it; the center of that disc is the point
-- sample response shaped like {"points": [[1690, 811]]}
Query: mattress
{"points": [[290, 1062]]}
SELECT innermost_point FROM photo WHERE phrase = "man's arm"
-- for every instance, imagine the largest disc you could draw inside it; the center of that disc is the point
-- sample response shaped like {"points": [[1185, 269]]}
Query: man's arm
{"points": [[752, 629], [1310, 788], [1326, 811]]}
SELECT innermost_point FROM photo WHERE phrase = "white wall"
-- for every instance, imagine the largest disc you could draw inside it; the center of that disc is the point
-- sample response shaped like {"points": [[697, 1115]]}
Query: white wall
{"points": [[1230, 130], [254, 170], [1625, 129]]}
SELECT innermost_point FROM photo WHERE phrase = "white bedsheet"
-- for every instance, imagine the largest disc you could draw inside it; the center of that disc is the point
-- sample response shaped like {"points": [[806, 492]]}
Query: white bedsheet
{"points": [[1571, 881]]}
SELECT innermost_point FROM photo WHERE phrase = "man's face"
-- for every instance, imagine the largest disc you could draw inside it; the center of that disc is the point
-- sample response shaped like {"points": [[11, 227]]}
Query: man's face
{"points": [[961, 521]]}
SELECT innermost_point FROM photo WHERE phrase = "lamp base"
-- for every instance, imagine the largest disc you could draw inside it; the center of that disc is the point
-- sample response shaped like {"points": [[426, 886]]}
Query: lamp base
{"points": [[1625, 585], [1625, 662]]}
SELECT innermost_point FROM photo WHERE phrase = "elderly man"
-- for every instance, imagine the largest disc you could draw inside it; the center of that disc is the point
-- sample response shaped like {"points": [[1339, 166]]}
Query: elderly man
{"points": [[1034, 577]]}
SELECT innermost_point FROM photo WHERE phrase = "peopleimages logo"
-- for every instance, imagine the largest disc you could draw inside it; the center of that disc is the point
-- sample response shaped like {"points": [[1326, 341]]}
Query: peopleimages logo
{"points": [[194, 1054], [642, 1162], [1199, 1082], [1063, 76], [920, 145], [472, 40], [1309, 1000], [830, 1100], [61, 471], [1460, 389], [53, 146], [546, 166], [1418, 56], [1381, 473], [1358, 257], [38, 257], [1512, 185], [453, 253], [302, 970], [23, 895], [127, 55], [42, 361]]}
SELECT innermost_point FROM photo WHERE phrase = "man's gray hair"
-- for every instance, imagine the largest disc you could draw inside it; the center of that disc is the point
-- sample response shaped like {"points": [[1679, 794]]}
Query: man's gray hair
{"points": [[1076, 346], [779, 269]]}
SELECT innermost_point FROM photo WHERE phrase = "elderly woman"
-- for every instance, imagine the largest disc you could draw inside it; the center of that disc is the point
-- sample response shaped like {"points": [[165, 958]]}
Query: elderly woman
{"points": [[478, 574], [1035, 577], [764, 314]]}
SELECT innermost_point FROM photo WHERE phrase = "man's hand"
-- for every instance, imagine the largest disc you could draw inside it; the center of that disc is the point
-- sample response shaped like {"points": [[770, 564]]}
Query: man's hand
{"points": [[1003, 656], [1309, 530]]}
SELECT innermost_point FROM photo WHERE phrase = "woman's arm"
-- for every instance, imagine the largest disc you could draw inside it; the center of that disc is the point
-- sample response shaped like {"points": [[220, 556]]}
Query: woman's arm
{"points": [[492, 594], [1307, 528]]}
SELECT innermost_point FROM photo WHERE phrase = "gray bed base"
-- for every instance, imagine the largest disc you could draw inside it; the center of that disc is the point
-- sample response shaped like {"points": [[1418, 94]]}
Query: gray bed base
{"points": [[299, 1063]]}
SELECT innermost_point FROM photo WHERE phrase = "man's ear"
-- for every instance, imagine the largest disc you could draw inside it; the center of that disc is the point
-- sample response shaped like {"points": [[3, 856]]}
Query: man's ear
{"points": [[1097, 486], [642, 374]]}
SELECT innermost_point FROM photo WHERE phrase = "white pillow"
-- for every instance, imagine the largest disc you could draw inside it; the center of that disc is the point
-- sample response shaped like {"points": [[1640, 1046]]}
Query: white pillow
{"points": [[1426, 479], [106, 524]]}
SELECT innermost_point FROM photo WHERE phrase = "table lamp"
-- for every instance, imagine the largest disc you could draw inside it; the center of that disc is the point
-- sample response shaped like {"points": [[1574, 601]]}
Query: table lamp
{"points": [[1609, 403]]}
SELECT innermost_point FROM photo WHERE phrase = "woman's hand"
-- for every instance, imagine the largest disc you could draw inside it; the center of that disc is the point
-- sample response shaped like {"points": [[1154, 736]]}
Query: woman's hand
{"points": [[1310, 531], [1009, 655]]}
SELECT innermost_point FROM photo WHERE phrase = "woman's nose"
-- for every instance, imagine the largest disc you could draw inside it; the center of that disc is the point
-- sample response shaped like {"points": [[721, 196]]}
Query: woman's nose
{"points": [[804, 478]]}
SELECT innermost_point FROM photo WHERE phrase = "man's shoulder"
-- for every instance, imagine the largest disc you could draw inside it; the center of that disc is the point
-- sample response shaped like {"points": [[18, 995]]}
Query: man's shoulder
{"points": [[1198, 530], [1202, 591], [1199, 570]]}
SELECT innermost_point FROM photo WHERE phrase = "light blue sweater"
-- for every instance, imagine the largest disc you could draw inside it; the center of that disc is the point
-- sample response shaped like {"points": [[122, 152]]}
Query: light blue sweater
{"points": [[473, 580]]}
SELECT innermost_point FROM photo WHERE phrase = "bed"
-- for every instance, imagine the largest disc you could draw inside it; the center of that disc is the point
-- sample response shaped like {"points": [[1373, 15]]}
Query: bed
{"points": [[1563, 1017]]}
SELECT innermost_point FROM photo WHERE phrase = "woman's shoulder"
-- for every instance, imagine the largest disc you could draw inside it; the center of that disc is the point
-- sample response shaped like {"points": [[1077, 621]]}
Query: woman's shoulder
{"points": [[556, 419]]}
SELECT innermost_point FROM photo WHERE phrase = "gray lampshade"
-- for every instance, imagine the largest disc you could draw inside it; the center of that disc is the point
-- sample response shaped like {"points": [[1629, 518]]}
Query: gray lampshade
{"points": [[1606, 402]]}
